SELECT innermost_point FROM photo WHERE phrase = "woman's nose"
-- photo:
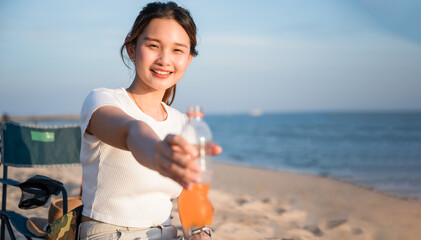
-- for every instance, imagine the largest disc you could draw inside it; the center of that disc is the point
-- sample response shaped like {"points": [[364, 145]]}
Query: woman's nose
{"points": [[164, 57]]}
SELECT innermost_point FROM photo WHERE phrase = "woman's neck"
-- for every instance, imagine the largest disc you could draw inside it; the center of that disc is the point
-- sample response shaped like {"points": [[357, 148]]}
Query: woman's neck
{"points": [[148, 102]]}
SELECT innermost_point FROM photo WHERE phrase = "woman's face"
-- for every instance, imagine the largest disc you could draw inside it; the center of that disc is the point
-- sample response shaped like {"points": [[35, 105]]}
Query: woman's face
{"points": [[162, 54]]}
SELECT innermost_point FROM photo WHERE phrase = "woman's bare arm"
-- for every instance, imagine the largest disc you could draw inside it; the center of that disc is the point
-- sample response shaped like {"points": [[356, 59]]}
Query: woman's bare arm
{"points": [[173, 157]]}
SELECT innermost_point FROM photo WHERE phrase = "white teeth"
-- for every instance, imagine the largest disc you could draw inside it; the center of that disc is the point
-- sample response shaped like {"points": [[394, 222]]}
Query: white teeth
{"points": [[161, 72]]}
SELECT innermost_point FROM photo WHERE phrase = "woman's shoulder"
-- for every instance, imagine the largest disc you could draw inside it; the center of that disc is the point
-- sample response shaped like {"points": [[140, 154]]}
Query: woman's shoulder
{"points": [[108, 91], [104, 96], [108, 94]]}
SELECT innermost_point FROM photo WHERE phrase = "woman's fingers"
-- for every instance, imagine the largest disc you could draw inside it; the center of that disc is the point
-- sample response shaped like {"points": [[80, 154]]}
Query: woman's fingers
{"points": [[172, 166], [175, 158], [177, 141], [216, 149], [184, 179], [181, 152]]}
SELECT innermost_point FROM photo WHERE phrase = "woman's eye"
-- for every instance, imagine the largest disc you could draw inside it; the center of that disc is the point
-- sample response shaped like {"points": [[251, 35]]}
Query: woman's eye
{"points": [[153, 46], [178, 50]]}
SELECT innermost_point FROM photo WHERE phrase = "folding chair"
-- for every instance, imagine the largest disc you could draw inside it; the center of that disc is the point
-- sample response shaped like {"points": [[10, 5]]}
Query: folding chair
{"points": [[28, 146]]}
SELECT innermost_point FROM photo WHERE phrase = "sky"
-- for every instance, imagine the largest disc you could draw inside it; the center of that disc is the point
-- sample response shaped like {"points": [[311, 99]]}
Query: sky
{"points": [[272, 55]]}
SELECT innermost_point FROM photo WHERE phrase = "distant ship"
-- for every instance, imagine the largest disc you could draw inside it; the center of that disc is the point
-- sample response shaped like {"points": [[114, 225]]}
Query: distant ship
{"points": [[256, 112]]}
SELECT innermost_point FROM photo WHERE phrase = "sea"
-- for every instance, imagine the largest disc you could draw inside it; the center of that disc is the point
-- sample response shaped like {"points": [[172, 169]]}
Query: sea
{"points": [[379, 151], [376, 150]]}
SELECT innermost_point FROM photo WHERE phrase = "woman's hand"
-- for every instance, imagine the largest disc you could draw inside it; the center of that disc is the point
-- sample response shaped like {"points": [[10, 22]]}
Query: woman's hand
{"points": [[175, 158]]}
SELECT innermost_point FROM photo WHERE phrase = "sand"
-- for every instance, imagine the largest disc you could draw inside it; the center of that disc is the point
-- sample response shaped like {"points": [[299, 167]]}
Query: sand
{"points": [[253, 203]]}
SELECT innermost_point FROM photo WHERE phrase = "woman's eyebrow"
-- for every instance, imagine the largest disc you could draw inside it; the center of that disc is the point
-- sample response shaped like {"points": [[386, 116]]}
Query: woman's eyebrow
{"points": [[181, 45], [157, 40], [151, 39]]}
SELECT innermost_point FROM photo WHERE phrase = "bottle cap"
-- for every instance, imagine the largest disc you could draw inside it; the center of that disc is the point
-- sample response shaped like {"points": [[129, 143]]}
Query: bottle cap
{"points": [[195, 111]]}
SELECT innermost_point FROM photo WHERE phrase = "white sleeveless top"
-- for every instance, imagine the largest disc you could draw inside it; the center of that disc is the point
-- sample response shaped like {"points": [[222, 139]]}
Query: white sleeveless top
{"points": [[116, 188]]}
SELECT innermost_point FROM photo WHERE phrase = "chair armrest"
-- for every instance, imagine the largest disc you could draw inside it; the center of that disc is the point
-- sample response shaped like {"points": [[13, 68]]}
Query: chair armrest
{"points": [[19, 222], [9, 182]]}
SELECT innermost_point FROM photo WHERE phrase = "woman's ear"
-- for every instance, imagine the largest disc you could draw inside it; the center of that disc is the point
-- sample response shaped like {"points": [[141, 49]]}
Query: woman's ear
{"points": [[189, 60], [131, 49]]}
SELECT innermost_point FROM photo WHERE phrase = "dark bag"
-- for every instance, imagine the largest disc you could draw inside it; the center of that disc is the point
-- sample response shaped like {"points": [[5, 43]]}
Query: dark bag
{"points": [[36, 191]]}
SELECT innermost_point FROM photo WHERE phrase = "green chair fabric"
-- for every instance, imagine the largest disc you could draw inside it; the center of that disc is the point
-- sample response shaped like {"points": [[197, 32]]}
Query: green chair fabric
{"points": [[36, 146], [27, 146]]}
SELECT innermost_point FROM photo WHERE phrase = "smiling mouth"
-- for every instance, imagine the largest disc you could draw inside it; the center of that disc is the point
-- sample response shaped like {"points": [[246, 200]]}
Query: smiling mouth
{"points": [[161, 72]]}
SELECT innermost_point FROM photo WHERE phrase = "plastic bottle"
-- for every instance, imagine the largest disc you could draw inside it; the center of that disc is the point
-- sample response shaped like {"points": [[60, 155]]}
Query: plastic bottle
{"points": [[194, 207]]}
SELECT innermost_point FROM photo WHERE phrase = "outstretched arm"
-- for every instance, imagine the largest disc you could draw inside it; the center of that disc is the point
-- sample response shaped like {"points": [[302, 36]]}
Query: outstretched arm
{"points": [[173, 157]]}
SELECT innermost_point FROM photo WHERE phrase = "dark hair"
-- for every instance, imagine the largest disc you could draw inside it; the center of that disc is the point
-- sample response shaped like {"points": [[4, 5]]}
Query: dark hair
{"points": [[168, 10]]}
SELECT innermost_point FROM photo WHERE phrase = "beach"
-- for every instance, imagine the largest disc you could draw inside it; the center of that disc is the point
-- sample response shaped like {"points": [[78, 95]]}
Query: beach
{"points": [[252, 203]]}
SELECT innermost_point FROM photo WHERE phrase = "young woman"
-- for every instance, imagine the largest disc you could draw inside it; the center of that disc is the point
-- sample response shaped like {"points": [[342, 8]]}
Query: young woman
{"points": [[134, 163]]}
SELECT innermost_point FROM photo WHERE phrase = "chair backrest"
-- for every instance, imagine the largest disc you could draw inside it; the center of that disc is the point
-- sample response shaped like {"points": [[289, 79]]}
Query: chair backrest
{"points": [[29, 145]]}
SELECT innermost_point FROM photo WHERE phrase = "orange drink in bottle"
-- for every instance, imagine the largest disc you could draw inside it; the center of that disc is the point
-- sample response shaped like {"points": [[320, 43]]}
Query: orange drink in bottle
{"points": [[194, 207]]}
